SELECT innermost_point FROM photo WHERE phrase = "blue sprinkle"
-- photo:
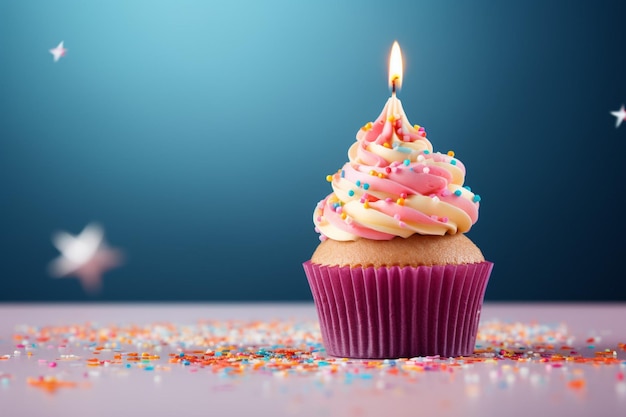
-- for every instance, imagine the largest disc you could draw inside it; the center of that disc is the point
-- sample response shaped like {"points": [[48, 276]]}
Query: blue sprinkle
{"points": [[453, 161], [407, 162], [323, 363], [181, 354], [128, 365], [426, 152], [149, 368], [403, 149], [358, 183], [467, 187], [366, 186], [366, 376], [218, 353], [343, 173], [351, 193], [476, 198], [458, 193], [186, 362]]}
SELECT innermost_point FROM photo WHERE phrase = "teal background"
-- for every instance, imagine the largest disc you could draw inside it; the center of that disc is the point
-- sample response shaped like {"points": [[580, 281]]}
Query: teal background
{"points": [[199, 133]]}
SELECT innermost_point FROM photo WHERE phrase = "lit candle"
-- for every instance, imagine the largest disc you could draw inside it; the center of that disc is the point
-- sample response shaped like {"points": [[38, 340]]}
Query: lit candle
{"points": [[393, 108], [395, 68]]}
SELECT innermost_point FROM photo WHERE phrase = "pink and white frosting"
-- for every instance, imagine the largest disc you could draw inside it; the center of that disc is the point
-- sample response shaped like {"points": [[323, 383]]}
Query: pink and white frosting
{"points": [[395, 185]]}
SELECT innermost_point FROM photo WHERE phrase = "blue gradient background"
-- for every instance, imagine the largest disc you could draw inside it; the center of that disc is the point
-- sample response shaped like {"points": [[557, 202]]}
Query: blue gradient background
{"points": [[199, 133]]}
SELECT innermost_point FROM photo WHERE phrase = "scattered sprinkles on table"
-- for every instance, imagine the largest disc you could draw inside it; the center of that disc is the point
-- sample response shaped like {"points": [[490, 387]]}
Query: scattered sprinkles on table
{"points": [[69, 355]]}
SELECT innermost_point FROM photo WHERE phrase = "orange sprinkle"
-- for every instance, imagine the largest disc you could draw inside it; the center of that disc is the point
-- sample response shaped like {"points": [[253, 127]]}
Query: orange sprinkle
{"points": [[49, 384], [576, 384]]}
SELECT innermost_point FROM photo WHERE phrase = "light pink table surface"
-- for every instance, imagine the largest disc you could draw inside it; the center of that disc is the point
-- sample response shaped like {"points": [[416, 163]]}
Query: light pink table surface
{"points": [[500, 388]]}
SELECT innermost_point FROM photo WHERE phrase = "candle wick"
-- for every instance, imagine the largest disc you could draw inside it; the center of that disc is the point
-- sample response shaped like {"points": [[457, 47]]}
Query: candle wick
{"points": [[393, 85]]}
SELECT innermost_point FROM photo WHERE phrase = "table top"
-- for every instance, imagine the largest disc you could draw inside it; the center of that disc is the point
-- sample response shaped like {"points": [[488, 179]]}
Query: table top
{"points": [[268, 360]]}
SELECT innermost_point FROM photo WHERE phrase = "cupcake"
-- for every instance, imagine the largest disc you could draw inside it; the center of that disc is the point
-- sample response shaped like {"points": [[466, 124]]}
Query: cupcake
{"points": [[394, 274]]}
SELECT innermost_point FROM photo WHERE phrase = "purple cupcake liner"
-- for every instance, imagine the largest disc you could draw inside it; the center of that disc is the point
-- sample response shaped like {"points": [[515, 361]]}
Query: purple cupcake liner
{"points": [[398, 312]]}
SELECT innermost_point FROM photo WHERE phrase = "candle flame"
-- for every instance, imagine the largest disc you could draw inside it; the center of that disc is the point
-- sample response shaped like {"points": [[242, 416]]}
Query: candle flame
{"points": [[395, 67]]}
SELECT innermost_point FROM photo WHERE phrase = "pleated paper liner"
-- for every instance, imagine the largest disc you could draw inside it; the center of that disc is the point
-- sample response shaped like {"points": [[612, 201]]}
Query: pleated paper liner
{"points": [[398, 312]]}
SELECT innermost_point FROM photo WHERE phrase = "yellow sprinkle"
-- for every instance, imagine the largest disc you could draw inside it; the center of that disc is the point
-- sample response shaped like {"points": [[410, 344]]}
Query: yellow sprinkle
{"points": [[329, 178], [450, 153], [343, 216], [372, 172], [391, 119], [381, 175], [400, 201], [386, 145], [367, 126], [366, 205], [416, 127]]}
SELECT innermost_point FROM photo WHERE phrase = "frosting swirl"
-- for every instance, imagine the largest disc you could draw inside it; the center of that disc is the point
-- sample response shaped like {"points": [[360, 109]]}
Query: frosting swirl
{"points": [[395, 185]]}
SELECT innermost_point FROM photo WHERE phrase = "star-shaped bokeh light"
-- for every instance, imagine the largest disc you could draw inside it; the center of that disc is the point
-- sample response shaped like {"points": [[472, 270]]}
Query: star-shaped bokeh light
{"points": [[620, 115], [58, 52], [86, 257]]}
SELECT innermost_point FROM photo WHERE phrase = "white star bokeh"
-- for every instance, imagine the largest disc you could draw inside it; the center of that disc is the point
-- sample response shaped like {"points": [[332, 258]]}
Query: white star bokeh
{"points": [[58, 52], [86, 257], [620, 115]]}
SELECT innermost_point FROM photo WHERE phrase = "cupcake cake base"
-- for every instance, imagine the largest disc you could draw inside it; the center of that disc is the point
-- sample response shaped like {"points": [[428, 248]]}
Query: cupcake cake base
{"points": [[398, 312]]}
